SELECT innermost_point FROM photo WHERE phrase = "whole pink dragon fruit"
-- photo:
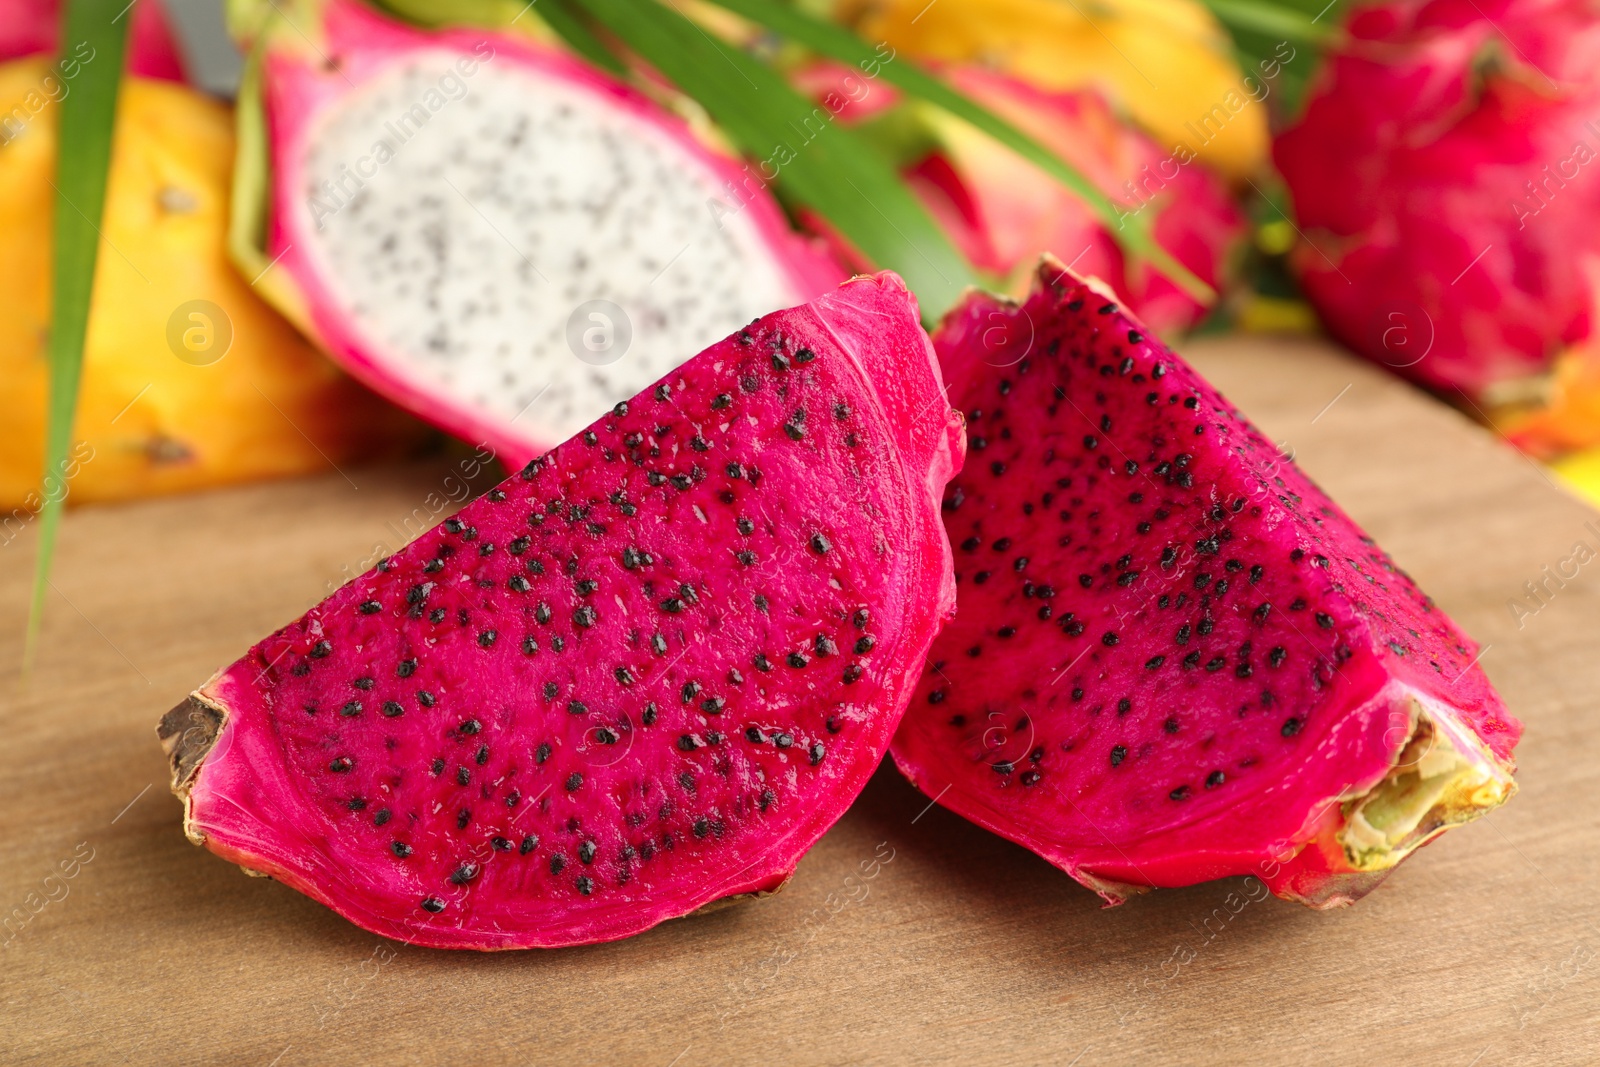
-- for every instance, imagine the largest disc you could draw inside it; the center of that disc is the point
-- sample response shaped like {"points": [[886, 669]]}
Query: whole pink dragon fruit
{"points": [[1002, 212], [1441, 176], [642, 675], [485, 229], [1175, 659], [31, 27]]}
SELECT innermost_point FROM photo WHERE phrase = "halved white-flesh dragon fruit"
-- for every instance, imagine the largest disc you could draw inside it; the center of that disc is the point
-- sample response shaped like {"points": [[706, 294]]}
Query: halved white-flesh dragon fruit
{"points": [[490, 232]]}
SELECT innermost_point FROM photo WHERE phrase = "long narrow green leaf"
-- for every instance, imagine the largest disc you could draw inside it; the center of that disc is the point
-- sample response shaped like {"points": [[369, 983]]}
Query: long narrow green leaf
{"points": [[1281, 42], [1273, 20], [247, 219], [507, 14], [572, 29], [818, 163], [838, 43], [98, 29]]}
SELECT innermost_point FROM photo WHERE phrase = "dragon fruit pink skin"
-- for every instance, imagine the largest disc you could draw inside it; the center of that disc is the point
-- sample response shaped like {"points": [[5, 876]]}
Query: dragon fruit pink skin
{"points": [[642, 675], [446, 274], [30, 27], [1440, 175], [1002, 212], [1175, 659]]}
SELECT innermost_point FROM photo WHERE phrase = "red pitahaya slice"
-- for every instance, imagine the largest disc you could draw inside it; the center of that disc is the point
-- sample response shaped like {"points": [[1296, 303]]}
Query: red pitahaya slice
{"points": [[1175, 658], [445, 206], [642, 675], [29, 27]]}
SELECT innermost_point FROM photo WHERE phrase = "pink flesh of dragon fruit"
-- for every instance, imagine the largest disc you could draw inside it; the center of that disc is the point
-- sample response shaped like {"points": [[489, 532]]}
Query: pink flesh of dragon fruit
{"points": [[642, 675], [445, 206], [31, 27], [1440, 175], [1175, 659]]}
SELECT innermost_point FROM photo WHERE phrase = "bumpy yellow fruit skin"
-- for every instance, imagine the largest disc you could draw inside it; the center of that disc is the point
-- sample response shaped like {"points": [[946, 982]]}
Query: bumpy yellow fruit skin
{"points": [[1167, 63], [149, 422]]}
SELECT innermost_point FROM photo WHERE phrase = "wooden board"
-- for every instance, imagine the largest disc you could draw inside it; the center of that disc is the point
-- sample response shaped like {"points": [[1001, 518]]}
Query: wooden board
{"points": [[959, 949]]}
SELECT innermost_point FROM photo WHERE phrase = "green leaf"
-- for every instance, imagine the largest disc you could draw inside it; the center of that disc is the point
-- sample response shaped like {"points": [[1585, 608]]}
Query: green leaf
{"points": [[247, 221], [508, 14], [839, 43], [1275, 20], [819, 163], [576, 32], [1279, 43], [99, 29]]}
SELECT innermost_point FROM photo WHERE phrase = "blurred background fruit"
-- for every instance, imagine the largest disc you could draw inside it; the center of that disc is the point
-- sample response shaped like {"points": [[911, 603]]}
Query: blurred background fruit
{"points": [[33, 27], [472, 191], [261, 403], [1431, 206], [1581, 473], [1165, 63], [1003, 211], [1440, 177]]}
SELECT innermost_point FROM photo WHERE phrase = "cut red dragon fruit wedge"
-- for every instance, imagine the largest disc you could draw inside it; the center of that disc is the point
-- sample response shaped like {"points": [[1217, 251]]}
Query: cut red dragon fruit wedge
{"points": [[1175, 658], [488, 231], [642, 675]]}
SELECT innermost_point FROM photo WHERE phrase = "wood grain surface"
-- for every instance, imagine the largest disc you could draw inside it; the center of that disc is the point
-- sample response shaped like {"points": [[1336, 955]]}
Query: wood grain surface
{"points": [[957, 948]]}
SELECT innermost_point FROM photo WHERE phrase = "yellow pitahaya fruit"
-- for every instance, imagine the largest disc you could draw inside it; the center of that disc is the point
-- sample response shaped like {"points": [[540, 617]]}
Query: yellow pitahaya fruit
{"points": [[189, 380]]}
